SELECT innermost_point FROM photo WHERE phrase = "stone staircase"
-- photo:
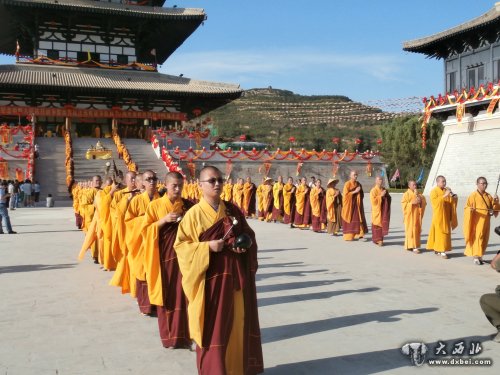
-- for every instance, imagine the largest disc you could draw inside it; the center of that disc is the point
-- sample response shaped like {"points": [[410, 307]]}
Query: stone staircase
{"points": [[86, 169], [50, 170], [143, 155]]}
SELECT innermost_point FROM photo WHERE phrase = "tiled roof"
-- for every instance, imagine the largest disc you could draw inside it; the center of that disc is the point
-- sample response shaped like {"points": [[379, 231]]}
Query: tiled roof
{"points": [[22, 75], [114, 8], [429, 44]]}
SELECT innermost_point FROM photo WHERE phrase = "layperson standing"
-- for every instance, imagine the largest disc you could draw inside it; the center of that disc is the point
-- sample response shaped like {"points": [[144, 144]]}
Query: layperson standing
{"points": [[479, 209], [163, 276], [288, 202], [444, 218], [4, 213], [381, 211], [134, 221], [333, 202], [353, 212], [413, 204], [249, 200], [219, 282], [277, 214]]}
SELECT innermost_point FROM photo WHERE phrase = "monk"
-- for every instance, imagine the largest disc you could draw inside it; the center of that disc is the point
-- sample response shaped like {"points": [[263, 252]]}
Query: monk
{"points": [[333, 203], [102, 202], [479, 209], [260, 202], [316, 197], [267, 199], [353, 212], [301, 195], [118, 209], [238, 194], [381, 211], [227, 191], [444, 218], [288, 202], [277, 214], [87, 208], [249, 189], [219, 282], [75, 191], [413, 204], [163, 276], [134, 220]]}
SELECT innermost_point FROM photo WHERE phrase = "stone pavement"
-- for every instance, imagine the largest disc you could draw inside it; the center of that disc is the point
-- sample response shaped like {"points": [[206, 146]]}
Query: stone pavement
{"points": [[326, 306]]}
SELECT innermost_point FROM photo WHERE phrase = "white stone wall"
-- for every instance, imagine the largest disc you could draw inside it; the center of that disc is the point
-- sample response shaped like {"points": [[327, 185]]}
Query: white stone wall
{"points": [[467, 151]]}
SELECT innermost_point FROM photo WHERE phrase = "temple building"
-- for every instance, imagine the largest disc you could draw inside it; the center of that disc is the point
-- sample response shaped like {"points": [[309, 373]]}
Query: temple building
{"points": [[91, 67], [468, 106]]}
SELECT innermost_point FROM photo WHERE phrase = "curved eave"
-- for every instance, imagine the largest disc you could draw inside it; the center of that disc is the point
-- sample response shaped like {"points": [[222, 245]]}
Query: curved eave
{"points": [[439, 45]]}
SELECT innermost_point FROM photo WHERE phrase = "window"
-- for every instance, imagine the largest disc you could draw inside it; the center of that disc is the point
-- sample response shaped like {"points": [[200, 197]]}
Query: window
{"points": [[496, 73], [122, 59], [53, 54], [475, 76], [451, 82]]}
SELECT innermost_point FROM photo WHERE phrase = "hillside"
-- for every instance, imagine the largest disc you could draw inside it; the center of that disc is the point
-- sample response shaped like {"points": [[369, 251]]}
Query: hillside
{"points": [[273, 116]]}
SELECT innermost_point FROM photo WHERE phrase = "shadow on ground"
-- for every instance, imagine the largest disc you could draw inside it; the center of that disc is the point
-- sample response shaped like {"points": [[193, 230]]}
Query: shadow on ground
{"points": [[35, 267]]}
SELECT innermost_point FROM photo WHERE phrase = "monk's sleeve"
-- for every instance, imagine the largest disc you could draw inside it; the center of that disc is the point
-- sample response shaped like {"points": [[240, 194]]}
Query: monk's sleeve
{"points": [[454, 218], [376, 201], [406, 205], [468, 218], [496, 206], [150, 234], [423, 205]]}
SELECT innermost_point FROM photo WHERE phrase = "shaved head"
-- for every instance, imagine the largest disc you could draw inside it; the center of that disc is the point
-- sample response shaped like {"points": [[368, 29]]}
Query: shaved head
{"points": [[209, 169]]}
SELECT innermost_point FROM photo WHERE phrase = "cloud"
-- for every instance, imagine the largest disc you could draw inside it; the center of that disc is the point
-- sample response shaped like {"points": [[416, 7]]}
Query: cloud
{"points": [[247, 66]]}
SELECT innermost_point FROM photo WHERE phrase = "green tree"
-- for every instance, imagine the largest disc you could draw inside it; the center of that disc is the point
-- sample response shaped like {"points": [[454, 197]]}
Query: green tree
{"points": [[402, 146]]}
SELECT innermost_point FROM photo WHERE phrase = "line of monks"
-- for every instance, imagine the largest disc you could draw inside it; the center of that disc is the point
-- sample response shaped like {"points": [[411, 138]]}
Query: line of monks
{"points": [[182, 259]]}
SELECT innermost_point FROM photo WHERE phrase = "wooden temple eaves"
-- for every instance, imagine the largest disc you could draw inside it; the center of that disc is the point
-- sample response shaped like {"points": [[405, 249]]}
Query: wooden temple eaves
{"points": [[471, 34]]}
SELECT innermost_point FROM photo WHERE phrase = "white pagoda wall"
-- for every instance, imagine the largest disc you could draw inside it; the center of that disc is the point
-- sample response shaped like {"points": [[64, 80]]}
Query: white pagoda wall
{"points": [[467, 151]]}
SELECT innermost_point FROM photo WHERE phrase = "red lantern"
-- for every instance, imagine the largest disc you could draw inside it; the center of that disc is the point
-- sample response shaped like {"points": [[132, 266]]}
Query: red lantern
{"points": [[243, 137], [291, 139], [379, 141], [169, 141], [336, 140], [196, 112], [191, 136], [163, 135], [358, 141]]}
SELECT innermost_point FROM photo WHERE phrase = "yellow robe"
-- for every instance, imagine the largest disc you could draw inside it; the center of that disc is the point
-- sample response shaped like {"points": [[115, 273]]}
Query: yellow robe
{"points": [[412, 217], [444, 220], [260, 201], [277, 189], [267, 198], [300, 196], [287, 198], [155, 211], [376, 201], [477, 223], [193, 257], [87, 208], [314, 201], [134, 224], [238, 195], [227, 192], [330, 207]]}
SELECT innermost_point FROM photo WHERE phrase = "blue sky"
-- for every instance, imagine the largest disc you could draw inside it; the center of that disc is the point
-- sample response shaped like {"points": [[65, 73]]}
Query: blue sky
{"points": [[351, 48]]}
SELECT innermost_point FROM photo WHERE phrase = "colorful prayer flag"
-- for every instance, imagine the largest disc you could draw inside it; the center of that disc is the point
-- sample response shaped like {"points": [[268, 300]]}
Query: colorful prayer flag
{"points": [[395, 176]]}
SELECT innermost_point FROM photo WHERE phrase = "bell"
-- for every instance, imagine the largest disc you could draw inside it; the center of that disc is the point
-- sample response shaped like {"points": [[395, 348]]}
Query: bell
{"points": [[243, 241]]}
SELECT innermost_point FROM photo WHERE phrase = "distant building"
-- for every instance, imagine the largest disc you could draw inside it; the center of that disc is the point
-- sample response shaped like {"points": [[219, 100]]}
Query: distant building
{"points": [[468, 106]]}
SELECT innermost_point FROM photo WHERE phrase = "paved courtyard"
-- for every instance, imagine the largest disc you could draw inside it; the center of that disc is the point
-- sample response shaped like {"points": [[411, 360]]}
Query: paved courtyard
{"points": [[326, 306]]}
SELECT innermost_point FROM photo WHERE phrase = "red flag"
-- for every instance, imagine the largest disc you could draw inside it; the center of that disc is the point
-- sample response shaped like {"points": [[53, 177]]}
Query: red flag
{"points": [[395, 176]]}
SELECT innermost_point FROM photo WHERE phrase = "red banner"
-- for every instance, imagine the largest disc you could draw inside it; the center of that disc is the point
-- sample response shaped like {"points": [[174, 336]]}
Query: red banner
{"points": [[4, 170]]}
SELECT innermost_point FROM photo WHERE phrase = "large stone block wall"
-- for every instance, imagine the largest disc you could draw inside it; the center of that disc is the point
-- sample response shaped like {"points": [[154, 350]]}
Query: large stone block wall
{"points": [[467, 151]]}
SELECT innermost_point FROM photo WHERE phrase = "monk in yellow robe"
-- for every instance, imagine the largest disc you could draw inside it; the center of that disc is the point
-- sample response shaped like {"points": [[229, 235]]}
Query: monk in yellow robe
{"points": [[260, 201], [163, 276], [103, 228], [227, 191], [381, 211], [185, 190], [301, 195], [413, 204], [353, 212], [267, 199], [333, 202], [88, 209], [76, 190], [249, 200], [134, 222], [316, 200], [277, 214], [118, 209], [288, 202], [479, 209], [444, 218], [218, 278], [238, 194]]}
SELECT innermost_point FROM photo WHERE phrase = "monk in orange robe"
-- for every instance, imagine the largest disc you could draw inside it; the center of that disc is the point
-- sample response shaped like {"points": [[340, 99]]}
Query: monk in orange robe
{"points": [[333, 203], [134, 221], [163, 276], [118, 209], [104, 229], [316, 197], [479, 209], [353, 212], [88, 209], [249, 189], [381, 211], [238, 194], [413, 204], [288, 202], [76, 189], [218, 279], [277, 214], [267, 199], [227, 191], [301, 195], [444, 218]]}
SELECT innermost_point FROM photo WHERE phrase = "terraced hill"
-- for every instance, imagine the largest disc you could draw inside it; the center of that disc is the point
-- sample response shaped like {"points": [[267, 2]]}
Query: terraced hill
{"points": [[273, 116]]}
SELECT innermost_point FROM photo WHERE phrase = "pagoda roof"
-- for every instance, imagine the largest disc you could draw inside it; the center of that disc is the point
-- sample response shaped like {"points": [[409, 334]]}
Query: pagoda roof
{"points": [[163, 29], [456, 39], [104, 80]]}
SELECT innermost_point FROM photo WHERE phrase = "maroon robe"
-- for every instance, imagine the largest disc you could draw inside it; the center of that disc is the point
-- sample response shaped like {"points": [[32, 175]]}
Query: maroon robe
{"points": [[145, 306], [228, 272], [378, 233], [316, 221], [172, 316], [288, 219], [278, 212], [307, 217], [252, 204]]}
